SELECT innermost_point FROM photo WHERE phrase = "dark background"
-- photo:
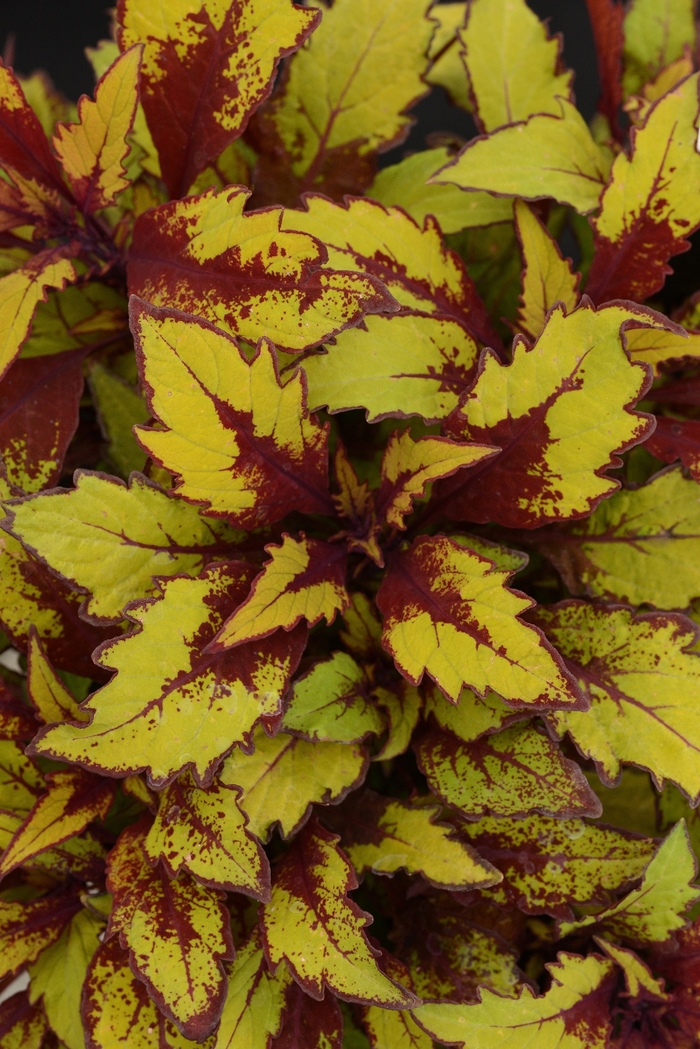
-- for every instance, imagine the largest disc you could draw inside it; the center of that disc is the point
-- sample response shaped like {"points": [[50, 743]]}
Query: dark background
{"points": [[52, 34]]}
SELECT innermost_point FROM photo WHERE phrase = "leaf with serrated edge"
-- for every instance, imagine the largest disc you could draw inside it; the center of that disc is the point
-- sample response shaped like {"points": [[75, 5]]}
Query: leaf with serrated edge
{"points": [[253, 436], [93, 151], [204, 832], [548, 864], [313, 926], [472, 716], [385, 835], [255, 1002], [573, 1014], [642, 546], [117, 1010], [512, 64], [647, 211], [170, 706], [509, 773], [304, 579], [22, 291], [406, 184], [546, 156], [656, 33], [331, 703], [651, 913], [644, 689], [22, 1025], [447, 610], [28, 928], [58, 975], [75, 798], [547, 276], [177, 932], [418, 366], [21, 783], [203, 256], [390, 1028], [408, 467], [656, 347], [561, 411], [638, 979], [285, 775], [75, 317], [23, 144], [206, 70], [110, 539]]}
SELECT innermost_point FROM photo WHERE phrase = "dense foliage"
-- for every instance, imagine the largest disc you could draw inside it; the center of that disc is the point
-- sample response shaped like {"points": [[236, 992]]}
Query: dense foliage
{"points": [[325, 600]]}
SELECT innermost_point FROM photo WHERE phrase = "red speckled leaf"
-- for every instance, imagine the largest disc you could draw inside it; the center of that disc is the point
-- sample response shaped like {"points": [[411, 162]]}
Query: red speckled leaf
{"points": [[309, 1024], [606, 21], [22, 1025], [23, 144], [677, 439], [177, 933], [39, 400], [203, 256], [27, 928], [16, 718]]}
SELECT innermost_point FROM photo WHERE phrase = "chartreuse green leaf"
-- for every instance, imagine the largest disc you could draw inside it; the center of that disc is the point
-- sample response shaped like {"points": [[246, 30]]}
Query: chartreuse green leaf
{"points": [[512, 63], [409, 466], [74, 799], [656, 34], [285, 775], [312, 925], [255, 1002], [47, 693], [332, 703], [120, 407], [254, 451], [560, 411], [110, 539], [391, 1028], [472, 716], [402, 704], [75, 317], [23, 1026], [21, 783], [509, 773], [385, 835], [550, 864], [447, 68], [638, 979], [204, 832], [58, 975], [22, 291], [642, 546], [547, 277], [170, 705], [349, 88], [643, 685], [361, 631], [117, 1009], [177, 932], [406, 184], [651, 913], [544, 156], [573, 1014], [304, 579], [447, 610]]}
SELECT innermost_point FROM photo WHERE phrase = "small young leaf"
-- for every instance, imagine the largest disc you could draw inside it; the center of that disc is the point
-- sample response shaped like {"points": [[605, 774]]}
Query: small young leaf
{"points": [[254, 452], [22, 1025], [58, 975], [204, 832], [29, 927], [87, 315], [573, 1014], [549, 864], [385, 835], [22, 291], [110, 539], [561, 412], [170, 706], [177, 932], [93, 151], [74, 799], [284, 776], [638, 979], [547, 277], [250, 278], [651, 913], [512, 64], [643, 685], [448, 611], [255, 1003], [313, 926], [331, 703], [304, 579], [656, 33], [510, 773], [355, 503]]}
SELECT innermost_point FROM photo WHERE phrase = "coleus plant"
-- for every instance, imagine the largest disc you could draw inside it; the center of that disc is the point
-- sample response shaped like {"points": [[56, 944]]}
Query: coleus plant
{"points": [[352, 533]]}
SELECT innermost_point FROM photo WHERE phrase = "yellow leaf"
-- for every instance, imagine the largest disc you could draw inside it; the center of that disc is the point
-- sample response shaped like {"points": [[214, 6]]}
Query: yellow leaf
{"points": [[512, 63], [547, 277], [447, 69], [546, 156], [93, 151], [49, 696], [285, 775], [20, 294], [655, 346], [638, 979], [403, 704], [331, 703], [312, 925], [656, 33], [304, 579], [472, 716], [255, 1002], [21, 783]]}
